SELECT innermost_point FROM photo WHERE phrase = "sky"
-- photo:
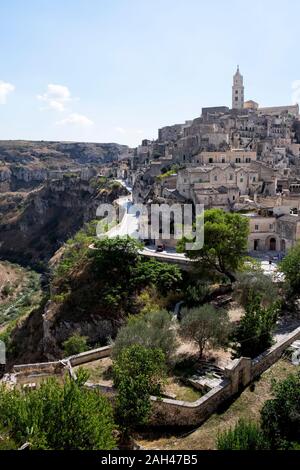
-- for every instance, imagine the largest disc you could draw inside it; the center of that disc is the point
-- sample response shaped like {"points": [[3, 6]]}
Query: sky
{"points": [[117, 70]]}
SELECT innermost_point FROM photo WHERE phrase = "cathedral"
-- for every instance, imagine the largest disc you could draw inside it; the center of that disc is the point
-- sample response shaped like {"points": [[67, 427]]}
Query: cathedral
{"points": [[238, 90]]}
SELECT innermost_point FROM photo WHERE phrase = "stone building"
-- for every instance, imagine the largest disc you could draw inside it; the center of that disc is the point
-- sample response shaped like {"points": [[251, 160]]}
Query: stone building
{"points": [[238, 91], [236, 156], [272, 233]]}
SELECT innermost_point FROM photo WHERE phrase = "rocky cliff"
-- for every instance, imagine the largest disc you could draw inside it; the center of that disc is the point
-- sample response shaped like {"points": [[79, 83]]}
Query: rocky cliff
{"points": [[24, 165], [35, 225]]}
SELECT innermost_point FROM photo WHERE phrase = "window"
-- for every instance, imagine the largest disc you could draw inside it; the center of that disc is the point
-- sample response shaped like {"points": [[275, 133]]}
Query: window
{"points": [[210, 160], [215, 178], [223, 160], [238, 160], [231, 177], [236, 98], [256, 227], [241, 180], [236, 92], [248, 160], [233, 198], [254, 179], [271, 226]]}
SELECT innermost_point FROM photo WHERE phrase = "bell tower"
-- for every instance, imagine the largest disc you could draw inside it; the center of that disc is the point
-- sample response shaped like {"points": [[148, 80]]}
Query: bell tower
{"points": [[238, 90]]}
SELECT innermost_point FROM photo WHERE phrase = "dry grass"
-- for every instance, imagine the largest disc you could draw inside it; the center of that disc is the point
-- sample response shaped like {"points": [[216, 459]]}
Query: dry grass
{"points": [[247, 405], [180, 391], [99, 371]]}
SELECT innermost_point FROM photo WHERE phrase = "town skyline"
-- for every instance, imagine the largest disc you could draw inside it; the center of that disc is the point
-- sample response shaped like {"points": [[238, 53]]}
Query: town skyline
{"points": [[135, 68]]}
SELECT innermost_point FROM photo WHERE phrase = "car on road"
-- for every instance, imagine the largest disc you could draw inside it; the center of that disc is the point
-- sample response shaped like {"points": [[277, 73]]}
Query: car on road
{"points": [[160, 247]]}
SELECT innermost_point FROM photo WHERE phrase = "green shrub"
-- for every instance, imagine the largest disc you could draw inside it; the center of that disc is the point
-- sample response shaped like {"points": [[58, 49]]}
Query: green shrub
{"points": [[75, 344], [280, 416], [58, 417], [254, 333], [244, 436], [151, 330], [138, 374]]}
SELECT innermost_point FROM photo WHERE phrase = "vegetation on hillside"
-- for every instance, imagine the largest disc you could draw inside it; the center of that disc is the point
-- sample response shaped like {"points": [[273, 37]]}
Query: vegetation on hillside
{"points": [[205, 326], [19, 296], [279, 426], [58, 417], [113, 275], [254, 333], [151, 330], [225, 244], [138, 373]]}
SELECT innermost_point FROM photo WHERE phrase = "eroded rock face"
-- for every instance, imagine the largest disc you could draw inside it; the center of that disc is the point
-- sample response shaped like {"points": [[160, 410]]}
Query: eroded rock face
{"points": [[25, 165], [45, 218], [46, 194]]}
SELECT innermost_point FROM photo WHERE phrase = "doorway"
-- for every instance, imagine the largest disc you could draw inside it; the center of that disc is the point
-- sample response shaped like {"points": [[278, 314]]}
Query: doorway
{"points": [[272, 244]]}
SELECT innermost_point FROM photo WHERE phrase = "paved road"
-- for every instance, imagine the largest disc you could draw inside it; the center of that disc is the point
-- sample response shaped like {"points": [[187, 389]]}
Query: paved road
{"points": [[130, 226]]}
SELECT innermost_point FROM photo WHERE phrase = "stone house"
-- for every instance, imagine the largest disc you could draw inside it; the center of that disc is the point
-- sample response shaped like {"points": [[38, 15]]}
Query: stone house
{"points": [[271, 233], [238, 157]]}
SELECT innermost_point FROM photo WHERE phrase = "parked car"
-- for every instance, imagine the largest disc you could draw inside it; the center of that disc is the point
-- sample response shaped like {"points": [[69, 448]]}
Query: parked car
{"points": [[160, 247]]}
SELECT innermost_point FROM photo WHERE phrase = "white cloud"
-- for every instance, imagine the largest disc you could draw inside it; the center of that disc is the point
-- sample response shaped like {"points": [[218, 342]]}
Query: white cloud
{"points": [[56, 97], [296, 92], [5, 89], [121, 130], [75, 119]]}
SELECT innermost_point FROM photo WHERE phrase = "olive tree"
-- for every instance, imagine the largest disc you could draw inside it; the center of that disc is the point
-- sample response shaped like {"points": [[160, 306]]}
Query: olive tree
{"points": [[206, 326], [151, 330]]}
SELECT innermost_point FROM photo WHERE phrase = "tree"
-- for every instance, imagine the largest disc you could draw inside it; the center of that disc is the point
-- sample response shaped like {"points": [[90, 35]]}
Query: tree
{"points": [[164, 276], [59, 417], [280, 416], [206, 326], [196, 294], [246, 435], [225, 243], [138, 374], [254, 333], [151, 330], [75, 344], [290, 266], [253, 282]]}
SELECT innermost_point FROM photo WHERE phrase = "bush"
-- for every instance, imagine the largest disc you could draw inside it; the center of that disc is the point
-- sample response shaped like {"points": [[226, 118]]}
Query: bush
{"points": [[138, 374], [196, 294], [290, 266], [254, 333], [55, 417], [75, 344], [151, 330], [244, 436], [254, 282], [206, 326], [280, 417]]}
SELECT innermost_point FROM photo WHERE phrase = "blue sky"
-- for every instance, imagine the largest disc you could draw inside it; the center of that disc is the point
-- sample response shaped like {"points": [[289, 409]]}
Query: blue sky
{"points": [[117, 70]]}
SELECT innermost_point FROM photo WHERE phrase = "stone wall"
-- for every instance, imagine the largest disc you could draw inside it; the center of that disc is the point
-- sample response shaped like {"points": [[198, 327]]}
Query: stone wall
{"points": [[89, 356], [269, 357], [238, 375], [166, 412]]}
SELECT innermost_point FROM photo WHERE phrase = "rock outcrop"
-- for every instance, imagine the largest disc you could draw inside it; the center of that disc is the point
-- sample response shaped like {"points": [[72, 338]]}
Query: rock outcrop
{"points": [[32, 231]]}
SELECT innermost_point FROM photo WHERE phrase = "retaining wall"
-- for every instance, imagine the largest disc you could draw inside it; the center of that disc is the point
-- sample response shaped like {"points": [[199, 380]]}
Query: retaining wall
{"points": [[89, 356], [238, 375], [269, 357], [166, 412]]}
